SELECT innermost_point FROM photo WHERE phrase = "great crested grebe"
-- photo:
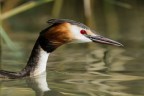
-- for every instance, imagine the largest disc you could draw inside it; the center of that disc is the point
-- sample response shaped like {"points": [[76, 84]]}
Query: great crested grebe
{"points": [[60, 31]]}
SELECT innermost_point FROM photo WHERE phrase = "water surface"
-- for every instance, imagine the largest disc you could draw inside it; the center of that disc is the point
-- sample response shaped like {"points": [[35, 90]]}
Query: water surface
{"points": [[84, 69]]}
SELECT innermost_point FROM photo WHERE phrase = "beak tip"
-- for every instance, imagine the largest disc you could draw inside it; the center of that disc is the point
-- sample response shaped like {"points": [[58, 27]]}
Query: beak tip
{"points": [[120, 45]]}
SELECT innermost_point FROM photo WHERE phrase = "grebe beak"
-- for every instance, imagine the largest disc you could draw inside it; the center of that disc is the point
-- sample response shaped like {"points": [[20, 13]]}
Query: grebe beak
{"points": [[99, 39], [104, 40]]}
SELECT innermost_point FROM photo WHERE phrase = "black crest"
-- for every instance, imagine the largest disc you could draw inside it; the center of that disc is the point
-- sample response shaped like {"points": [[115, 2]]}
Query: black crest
{"points": [[59, 21]]}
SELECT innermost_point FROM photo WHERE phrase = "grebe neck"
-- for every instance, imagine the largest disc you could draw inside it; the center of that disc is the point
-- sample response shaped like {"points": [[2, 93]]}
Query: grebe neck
{"points": [[37, 61], [36, 64]]}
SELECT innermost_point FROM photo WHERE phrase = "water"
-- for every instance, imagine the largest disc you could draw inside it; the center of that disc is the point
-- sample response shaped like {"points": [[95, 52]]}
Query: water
{"points": [[90, 70]]}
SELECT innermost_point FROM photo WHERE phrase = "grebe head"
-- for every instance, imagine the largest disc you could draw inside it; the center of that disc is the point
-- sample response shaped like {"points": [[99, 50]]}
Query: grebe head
{"points": [[63, 31]]}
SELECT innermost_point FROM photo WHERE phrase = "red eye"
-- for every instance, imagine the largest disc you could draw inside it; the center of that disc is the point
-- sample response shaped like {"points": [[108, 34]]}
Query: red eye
{"points": [[83, 32]]}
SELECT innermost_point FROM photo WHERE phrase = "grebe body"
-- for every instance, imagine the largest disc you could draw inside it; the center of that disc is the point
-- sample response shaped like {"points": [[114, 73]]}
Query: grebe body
{"points": [[60, 31]]}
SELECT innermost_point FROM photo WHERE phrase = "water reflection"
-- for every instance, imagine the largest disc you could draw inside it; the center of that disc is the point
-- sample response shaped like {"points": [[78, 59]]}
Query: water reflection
{"points": [[40, 86], [91, 70], [97, 84], [62, 83]]}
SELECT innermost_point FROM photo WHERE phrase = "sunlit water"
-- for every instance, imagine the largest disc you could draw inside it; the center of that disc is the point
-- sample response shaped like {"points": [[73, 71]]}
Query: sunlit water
{"points": [[78, 70]]}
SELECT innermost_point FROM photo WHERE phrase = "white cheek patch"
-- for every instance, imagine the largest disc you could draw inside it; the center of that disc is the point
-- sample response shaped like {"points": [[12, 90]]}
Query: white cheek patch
{"points": [[78, 37]]}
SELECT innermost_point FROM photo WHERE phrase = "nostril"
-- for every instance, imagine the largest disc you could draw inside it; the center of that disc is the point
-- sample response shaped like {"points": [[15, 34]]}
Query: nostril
{"points": [[83, 32]]}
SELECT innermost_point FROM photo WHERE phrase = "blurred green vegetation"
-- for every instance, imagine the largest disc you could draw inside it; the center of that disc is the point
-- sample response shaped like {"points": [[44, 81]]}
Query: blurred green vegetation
{"points": [[8, 11], [110, 17]]}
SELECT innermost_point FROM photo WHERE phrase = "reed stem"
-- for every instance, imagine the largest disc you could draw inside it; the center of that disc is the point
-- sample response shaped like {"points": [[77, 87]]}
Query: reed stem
{"points": [[22, 8]]}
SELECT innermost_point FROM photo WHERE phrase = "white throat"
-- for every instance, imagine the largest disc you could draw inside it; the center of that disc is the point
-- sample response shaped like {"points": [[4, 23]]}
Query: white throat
{"points": [[41, 63]]}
